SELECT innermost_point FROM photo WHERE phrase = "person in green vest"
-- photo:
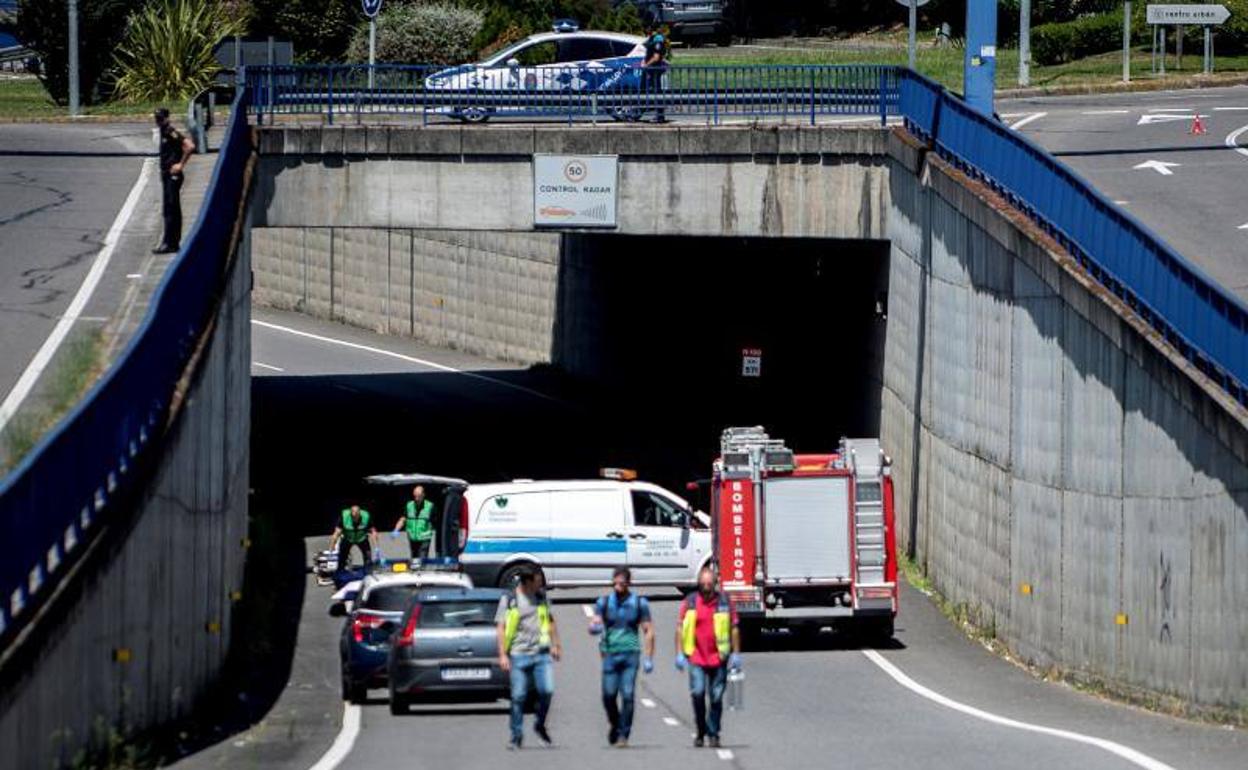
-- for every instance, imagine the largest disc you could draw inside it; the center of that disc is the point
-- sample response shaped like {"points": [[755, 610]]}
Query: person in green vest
{"points": [[528, 642], [355, 528], [417, 519]]}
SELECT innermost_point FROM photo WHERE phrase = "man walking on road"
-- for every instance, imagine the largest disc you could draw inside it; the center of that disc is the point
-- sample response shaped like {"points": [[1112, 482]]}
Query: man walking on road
{"points": [[708, 643], [417, 520], [175, 151], [355, 528], [528, 642], [623, 619]]}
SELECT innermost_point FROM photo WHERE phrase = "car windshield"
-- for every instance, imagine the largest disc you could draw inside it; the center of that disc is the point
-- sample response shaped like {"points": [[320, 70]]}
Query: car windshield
{"points": [[389, 598], [458, 614]]}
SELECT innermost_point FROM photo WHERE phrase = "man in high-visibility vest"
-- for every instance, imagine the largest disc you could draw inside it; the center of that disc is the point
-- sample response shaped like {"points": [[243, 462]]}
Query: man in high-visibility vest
{"points": [[417, 519], [355, 528], [528, 642], [708, 644]]}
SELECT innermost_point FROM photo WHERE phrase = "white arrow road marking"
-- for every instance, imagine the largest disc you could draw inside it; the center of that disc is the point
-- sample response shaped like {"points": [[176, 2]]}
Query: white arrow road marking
{"points": [[1232, 141], [1147, 120], [1160, 166], [344, 741], [1024, 121], [1129, 754]]}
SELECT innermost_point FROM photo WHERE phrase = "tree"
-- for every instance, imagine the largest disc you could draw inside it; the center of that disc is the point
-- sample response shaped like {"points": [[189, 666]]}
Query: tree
{"points": [[319, 29], [44, 26], [167, 53]]}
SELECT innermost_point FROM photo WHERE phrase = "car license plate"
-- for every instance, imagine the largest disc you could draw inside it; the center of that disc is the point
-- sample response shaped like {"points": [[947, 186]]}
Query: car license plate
{"points": [[749, 607], [465, 674]]}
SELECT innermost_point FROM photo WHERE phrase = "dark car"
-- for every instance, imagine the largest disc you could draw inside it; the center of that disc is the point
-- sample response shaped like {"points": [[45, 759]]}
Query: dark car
{"points": [[693, 20], [446, 648]]}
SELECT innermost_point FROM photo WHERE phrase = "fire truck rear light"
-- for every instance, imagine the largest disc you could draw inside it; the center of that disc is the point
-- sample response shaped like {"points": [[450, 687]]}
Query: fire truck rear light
{"points": [[619, 474]]}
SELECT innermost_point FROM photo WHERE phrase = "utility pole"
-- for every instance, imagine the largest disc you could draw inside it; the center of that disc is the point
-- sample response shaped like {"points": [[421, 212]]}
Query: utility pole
{"points": [[73, 58], [1126, 41], [914, 23], [1024, 43]]}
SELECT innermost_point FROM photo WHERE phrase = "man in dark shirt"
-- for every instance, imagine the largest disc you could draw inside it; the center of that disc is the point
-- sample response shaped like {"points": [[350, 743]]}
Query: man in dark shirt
{"points": [[654, 67], [175, 151]]}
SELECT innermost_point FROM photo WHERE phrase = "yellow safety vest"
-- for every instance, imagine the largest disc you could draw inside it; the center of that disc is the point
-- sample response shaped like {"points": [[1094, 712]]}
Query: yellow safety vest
{"points": [[512, 624], [722, 620]]}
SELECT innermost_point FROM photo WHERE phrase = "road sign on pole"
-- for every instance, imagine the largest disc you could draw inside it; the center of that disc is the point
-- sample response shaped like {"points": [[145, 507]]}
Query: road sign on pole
{"points": [[1187, 14], [371, 9], [1126, 41], [913, 5], [1024, 43], [73, 58]]}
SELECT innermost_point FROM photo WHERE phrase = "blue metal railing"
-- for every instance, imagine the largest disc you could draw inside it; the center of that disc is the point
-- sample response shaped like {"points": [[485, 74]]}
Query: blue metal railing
{"points": [[713, 93], [1205, 323], [55, 501]]}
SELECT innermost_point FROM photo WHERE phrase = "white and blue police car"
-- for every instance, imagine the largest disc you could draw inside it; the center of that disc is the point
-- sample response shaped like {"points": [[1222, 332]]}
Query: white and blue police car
{"points": [[551, 61]]}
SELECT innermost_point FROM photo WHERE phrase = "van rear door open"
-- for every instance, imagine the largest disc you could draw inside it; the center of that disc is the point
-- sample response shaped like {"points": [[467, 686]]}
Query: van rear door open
{"points": [[446, 523]]}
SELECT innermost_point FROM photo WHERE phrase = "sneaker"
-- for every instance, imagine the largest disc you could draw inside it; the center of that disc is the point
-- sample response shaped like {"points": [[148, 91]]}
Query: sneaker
{"points": [[543, 734], [163, 249], [699, 742], [622, 743], [612, 736], [514, 744], [714, 741]]}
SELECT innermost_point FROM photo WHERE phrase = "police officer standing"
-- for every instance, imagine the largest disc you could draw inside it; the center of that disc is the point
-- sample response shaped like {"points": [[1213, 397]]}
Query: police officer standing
{"points": [[354, 529], [654, 67], [417, 519], [175, 151]]}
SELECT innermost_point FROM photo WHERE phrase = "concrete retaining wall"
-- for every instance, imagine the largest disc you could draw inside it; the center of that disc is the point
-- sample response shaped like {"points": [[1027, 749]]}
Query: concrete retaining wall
{"points": [[487, 293], [822, 181], [147, 634], [1059, 473]]}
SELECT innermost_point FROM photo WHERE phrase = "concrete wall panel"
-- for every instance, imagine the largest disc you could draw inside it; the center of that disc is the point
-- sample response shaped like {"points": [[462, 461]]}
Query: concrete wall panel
{"points": [[1091, 589]]}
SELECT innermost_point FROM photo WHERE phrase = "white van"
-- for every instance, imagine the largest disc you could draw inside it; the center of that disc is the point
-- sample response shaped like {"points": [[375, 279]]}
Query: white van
{"points": [[575, 532]]}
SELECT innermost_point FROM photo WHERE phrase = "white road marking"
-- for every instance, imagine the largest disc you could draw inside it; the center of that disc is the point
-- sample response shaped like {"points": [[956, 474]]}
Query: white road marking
{"points": [[1125, 752], [648, 703], [1106, 112], [399, 356], [1030, 118], [1232, 141], [1160, 166], [343, 742], [268, 366], [1148, 120], [134, 275], [670, 722], [1243, 226], [588, 609], [725, 754], [44, 355], [1230, 109], [1170, 109], [1120, 203]]}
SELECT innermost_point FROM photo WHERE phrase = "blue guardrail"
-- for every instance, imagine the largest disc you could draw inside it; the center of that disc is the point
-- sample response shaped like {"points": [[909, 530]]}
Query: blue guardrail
{"points": [[55, 501]]}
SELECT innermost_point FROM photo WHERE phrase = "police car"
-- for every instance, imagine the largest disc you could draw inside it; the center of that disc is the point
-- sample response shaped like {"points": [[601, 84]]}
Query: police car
{"points": [[551, 61]]}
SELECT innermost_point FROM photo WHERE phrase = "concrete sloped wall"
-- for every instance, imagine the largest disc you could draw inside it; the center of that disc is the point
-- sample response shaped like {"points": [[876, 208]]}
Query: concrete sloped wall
{"points": [[162, 592], [1059, 474]]}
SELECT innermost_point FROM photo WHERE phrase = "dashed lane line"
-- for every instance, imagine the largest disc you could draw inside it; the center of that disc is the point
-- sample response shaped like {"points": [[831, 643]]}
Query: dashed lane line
{"points": [[725, 754], [648, 703], [671, 721], [1125, 752]]}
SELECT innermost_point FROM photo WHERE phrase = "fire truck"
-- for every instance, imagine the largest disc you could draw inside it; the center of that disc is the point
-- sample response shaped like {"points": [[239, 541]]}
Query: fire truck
{"points": [[805, 541]]}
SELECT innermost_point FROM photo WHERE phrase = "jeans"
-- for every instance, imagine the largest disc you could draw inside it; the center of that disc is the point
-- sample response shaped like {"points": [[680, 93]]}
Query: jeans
{"points": [[171, 208], [652, 84], [619, 682], [344, 552], [539, 669], [703, 682]]}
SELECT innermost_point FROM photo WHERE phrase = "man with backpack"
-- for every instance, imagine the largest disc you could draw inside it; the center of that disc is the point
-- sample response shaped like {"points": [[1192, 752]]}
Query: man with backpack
{"points": [[622, 619]]}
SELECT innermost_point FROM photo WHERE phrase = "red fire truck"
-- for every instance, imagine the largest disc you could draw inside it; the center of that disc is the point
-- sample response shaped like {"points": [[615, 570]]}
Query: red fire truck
{"points": [[805, 540]]}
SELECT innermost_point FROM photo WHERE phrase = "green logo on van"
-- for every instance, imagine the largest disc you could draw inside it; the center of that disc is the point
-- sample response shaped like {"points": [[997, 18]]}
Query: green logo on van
{"points": [[501, 502]]}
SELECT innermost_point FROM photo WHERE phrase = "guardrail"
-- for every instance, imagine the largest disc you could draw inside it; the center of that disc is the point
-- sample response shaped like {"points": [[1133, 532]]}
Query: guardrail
{"points": [[55, 502], [1203, 321], [572, 92]]}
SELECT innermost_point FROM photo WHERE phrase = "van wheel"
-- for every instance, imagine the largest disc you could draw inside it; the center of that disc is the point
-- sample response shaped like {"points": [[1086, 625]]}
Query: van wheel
{"points": [[511, 576]]}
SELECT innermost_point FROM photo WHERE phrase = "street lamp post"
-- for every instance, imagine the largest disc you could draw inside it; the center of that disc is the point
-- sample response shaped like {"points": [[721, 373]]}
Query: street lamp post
{"points": [[1024, 43]]}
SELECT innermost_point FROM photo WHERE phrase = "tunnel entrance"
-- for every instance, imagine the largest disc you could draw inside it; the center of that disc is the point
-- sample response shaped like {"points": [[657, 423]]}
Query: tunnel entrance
{"points": [[648, 366]]}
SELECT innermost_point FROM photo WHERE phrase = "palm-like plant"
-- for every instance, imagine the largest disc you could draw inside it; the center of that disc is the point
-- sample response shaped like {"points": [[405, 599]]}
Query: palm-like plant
{"points": [[166, 54]]}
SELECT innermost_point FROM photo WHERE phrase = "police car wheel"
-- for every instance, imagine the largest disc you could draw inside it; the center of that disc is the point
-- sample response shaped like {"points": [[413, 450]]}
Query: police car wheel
{"points": [[474, 115], [626, 114]]}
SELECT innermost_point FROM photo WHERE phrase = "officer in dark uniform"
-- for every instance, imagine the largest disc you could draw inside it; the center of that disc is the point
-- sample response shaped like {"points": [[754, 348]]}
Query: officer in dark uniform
{"points": [[655, 66], [175, 151]]}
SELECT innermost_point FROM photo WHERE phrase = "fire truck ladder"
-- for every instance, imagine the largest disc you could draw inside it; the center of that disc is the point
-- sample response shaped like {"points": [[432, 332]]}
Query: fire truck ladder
{"points": [[866, 458]]}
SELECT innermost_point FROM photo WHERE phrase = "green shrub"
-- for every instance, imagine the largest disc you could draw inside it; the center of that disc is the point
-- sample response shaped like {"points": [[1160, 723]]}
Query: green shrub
{"points": [[1066, 41], [426, 33], [319, 29], [43, 25], [166, 54]]}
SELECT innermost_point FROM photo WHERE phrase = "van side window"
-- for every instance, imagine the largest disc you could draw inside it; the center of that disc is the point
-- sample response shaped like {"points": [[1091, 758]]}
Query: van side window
{"points": [[651, 510]]}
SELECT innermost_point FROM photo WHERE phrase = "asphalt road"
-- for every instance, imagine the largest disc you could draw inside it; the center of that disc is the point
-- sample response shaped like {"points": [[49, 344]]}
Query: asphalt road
{"points": [[1197, 200], [825, 702], [61, 187]]}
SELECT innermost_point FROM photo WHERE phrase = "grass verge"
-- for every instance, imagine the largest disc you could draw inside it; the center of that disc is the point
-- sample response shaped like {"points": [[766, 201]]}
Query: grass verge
{"points": [[22, 98], [79, 363], [971, 623]]}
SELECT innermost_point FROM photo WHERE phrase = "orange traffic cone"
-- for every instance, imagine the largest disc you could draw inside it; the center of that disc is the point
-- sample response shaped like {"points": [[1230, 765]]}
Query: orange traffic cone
{"points": [[1198, 126]]}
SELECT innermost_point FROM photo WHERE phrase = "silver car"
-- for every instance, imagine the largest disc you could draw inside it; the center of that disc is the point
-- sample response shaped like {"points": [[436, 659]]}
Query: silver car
{"points": [[446, 648]]}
